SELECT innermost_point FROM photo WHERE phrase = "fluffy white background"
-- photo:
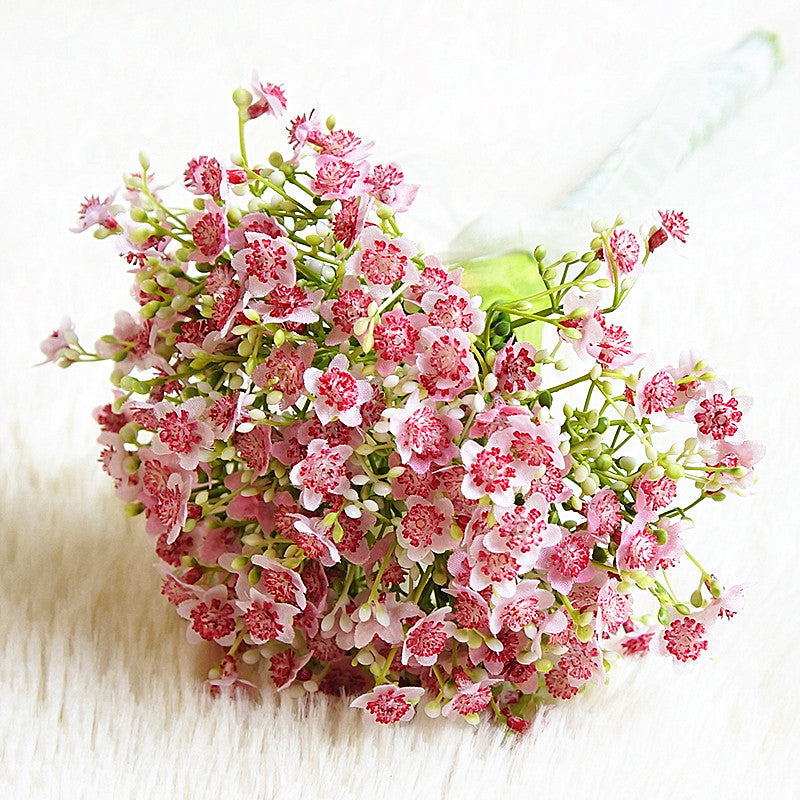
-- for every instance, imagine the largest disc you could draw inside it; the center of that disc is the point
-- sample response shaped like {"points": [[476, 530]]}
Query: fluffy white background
{"points": [[487, 106]]}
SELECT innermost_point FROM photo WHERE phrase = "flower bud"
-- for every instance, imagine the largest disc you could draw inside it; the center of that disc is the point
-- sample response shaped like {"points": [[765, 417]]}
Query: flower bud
{"points": [[242, 98]]}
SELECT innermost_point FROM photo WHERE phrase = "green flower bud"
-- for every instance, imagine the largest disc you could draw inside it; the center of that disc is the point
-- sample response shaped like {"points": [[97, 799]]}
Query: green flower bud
{"points": [[674, 471], [697, 598], [242, 98], [628, 463], [603, 462], [148, 310], [134, 509], [592, 267], [540, 254], [545, 399], [682, 608], [599, 225], [275, 159], [663, 616], [572, 255]]}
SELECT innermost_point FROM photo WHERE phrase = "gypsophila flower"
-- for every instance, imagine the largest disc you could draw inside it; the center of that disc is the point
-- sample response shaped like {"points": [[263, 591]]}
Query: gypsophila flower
{"points": [[358, 478]]}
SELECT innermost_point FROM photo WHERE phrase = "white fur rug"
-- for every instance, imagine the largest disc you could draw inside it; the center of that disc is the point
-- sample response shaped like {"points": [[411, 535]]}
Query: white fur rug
{"points": [[100, 695]]}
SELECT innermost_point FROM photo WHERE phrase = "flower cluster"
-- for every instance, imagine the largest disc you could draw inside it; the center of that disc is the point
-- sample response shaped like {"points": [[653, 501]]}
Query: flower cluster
{"points": [[359, 480]]}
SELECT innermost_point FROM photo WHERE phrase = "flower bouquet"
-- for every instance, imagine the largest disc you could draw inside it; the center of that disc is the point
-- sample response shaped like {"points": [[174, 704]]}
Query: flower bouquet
{"points": [[360, 477]]}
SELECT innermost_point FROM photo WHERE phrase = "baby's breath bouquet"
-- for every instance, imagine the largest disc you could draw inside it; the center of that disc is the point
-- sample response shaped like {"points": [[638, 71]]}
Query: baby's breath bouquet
{"points": [[360, 478]]}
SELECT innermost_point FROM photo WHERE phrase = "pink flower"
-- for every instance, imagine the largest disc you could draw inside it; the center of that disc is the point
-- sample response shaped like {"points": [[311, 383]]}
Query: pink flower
{"points": [[282, 371], [433, 278], [613, 609], [385, 621], [280, 583], [395, 339], [212, 614], [675, 224], [338, 393], [383, 262], [345, 145], [470, 698], [656, 393], [470, 609], [226, 681], [313, 537], [604, 515], [425, 528], [685, 639], [165, 491], [94, 211], [522, 531], [254, 448], [59, 343], [269, 99], [427, 637], [182, 432], [526, 608], [344, 311], [515, 368], [387, 184], [718, 414], [587, 324], [289, 304], [491, 471], [611, 347], [386, 704], [423, 436], [264, 264], [498, 570], [204, 175], [727, 454], [257, 222], [284, 667], [348, 222], [209, 232], [455, 308], [624, 249], [568, 562], [267, 620], [446, 365], [337, 179], [322, 473]]}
